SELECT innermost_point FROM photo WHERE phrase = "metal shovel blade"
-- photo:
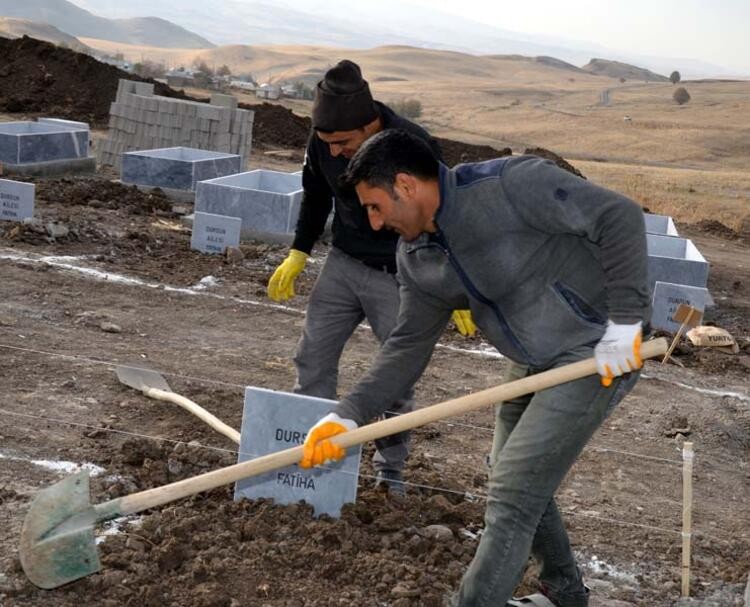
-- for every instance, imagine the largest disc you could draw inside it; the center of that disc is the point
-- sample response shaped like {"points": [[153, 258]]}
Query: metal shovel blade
{"points": [[53, 554], [141, 379]]}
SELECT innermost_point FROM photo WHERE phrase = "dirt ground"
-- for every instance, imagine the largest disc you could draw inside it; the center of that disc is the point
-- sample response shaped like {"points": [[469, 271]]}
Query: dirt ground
{"points": [[105, 276], [61, 402]]}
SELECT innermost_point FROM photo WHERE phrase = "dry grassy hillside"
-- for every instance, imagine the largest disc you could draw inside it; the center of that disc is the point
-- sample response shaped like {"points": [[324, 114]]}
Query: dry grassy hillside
{"points": [[689, 160]]}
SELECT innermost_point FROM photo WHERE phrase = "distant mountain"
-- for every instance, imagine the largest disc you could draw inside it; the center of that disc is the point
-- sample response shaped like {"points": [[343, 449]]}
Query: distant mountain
{"points": [[558, 63], [616, 69], [16, 28], [147, 31], [347, 24]]}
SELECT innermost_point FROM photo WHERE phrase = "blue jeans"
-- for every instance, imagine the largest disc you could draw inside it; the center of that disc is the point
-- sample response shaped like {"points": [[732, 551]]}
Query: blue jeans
{"points": [[537, 439]]}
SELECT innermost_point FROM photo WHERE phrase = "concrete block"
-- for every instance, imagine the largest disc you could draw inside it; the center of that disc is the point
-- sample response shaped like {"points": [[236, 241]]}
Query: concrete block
{"points": [[222, 141], [214, 233], [208, 112], [227, 101], [27, 142], [659, 224], [675, 260], [176, 168], [266, 201], [666, 299], [124, 87], [16, 200], [144, 88], [272, 421]]}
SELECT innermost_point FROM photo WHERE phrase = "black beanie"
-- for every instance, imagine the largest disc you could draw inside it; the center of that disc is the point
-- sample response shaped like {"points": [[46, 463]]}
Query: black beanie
{"points": [[342, 100]]}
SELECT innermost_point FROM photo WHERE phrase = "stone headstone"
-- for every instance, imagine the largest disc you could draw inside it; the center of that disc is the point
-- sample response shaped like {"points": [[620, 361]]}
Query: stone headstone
{"points": [[668, 297], [16, 200], [274, 421], [214, 233]]}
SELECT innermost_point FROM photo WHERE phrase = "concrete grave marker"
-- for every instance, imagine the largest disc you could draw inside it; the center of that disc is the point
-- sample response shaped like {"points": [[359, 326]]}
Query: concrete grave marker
{"points": [[16, 200], [274, 421], [214, 233], [668, 297]]}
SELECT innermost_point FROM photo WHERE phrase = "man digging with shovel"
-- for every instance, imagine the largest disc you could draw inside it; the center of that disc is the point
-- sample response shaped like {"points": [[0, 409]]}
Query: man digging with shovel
{"points": [[553, 269], [358, 279]]}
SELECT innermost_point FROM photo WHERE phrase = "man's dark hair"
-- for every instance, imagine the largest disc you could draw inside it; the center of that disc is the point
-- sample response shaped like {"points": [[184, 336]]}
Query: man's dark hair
{"points": [[383, 156]]}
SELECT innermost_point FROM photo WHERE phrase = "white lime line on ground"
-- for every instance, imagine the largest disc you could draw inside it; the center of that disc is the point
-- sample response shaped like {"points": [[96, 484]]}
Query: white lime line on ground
{"points": [[67, 263], [60, 466]]}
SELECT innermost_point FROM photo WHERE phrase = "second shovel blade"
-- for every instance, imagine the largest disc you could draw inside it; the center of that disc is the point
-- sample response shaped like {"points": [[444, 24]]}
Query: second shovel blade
{"points": [[141, 379]]}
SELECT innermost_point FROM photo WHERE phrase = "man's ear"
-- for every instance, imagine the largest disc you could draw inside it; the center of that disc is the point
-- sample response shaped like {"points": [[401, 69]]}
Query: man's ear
{"points": [[405, 185]]}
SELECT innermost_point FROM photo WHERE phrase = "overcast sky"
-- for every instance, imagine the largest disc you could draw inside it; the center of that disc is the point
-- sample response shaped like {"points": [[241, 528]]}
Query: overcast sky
{"points": [[715, 31]]}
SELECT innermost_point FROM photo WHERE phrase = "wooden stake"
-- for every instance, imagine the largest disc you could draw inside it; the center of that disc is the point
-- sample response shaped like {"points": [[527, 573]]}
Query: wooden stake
{"points": [[687, 514], [677, 337]]}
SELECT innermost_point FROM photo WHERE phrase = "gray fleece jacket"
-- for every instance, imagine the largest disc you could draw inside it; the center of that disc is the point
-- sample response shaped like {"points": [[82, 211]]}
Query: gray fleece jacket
{"points": [[541, 257]]}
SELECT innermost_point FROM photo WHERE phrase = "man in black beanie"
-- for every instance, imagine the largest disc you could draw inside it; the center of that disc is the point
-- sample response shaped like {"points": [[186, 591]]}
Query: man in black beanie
{"points": [[358, 279]]}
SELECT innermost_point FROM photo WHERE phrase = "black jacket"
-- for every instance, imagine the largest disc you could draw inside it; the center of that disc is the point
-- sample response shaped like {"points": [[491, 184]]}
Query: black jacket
{"points": [[351, 228]]}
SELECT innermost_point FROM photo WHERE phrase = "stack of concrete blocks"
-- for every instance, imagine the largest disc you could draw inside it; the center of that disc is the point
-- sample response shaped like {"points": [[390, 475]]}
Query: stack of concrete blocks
{"points": [[140, 120], [268, 202], [48, 147]]}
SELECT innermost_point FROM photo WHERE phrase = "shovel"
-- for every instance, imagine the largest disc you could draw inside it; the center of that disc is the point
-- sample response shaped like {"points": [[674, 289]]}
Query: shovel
{"points": [[155, 386], [57, 539]]}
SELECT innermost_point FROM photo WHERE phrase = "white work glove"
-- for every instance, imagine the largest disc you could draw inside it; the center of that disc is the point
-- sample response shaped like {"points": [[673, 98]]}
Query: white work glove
{"points": [[318, 449], [619, 351]]}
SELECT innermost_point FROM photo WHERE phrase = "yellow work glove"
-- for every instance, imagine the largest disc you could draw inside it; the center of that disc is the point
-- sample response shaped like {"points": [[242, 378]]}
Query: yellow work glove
{"points": [[281, 285], [464, 322], [618, 351], [317, 448]]}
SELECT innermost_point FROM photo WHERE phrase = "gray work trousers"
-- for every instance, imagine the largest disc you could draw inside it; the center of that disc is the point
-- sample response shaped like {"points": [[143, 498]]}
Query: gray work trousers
{"points": [[346, 292], [537, 439]]}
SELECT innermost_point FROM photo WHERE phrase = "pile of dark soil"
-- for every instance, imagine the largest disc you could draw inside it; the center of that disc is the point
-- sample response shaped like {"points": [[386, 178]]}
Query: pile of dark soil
{"points": [[39, 77], [210, 551], [456, 152], [720, 230], [277, 126], [558, 160], [103, 194]]}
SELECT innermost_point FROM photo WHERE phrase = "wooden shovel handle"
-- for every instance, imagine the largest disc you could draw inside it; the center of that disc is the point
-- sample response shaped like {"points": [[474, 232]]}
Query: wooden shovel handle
{"points": [[210, 480], [196, 410]]}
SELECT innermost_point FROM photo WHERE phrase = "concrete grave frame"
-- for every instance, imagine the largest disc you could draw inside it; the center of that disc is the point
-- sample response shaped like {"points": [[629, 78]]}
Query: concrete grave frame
{"points": [[268, 202], [44, 148], [176, 168], [675, 260], [660, 224]]}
